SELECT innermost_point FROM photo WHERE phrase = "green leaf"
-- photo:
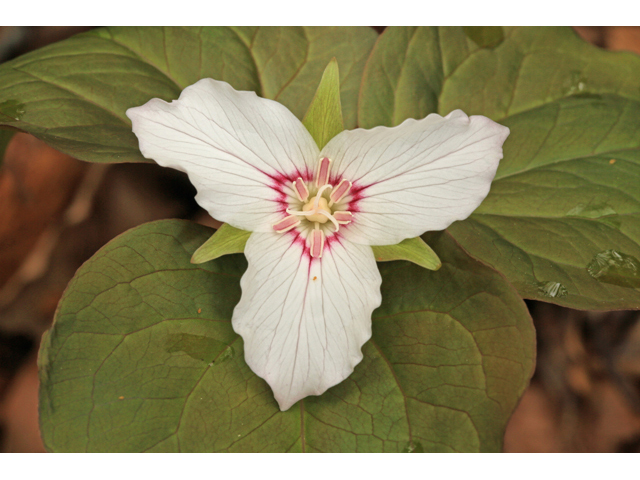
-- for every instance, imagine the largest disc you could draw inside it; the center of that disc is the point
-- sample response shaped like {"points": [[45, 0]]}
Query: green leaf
{"points": [[324, 116], [411, 249], [485, 37], [225, 241], [566, 190], [74, 94], [142, 357]]}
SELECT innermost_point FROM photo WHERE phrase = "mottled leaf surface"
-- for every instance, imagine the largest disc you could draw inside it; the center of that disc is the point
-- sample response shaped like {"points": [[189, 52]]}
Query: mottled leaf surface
{"points": [[566, 192], [142, 357], [74, 94]]}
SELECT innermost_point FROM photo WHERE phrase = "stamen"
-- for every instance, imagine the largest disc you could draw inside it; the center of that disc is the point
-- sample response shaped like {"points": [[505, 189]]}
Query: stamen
{"points": [[330, 217], [301, 190], [317, 243], [286, 224], [340, 191], [319, 195], [322, 176], [343, 218]]}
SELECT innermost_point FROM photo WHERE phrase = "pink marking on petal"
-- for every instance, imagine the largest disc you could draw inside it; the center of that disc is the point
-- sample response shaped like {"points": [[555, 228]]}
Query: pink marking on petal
{"points": [[343, 217], [357, 194], [286, 224], [322, 176], [317, 243], [301, 190], [340, 191]]}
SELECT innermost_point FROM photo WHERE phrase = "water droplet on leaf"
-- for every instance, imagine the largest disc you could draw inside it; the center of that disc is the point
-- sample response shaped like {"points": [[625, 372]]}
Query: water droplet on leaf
{"points": [[616, 268], [552, 289], [591, 210], [228, 354], [576, 84], [413, 447], [12, 109], [602, 211], [196, 346]]}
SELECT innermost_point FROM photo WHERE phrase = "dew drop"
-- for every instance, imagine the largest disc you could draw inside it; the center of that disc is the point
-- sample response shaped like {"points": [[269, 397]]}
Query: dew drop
{"points": [[12, 109], [197, 347], [577, 85], [552, 289], [413, 447], [228, 354], [591, 210], [616, 268], [602, 211]]}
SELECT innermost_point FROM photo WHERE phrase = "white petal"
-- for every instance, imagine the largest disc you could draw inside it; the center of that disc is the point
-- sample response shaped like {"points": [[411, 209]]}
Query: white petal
{"points": [[419, 176], [304, 321], [241, 152]]}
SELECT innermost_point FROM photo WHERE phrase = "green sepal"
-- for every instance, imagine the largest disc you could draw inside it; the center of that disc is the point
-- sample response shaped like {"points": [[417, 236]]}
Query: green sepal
{"points": [[324, 116], [225, 241], [413, 250]]}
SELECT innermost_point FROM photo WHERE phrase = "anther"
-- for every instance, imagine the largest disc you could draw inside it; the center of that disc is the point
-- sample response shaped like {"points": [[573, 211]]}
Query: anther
{"points": [[343, 218], [339, 192], [286, 224], [301, 190], [322, 175], [317, 243]]}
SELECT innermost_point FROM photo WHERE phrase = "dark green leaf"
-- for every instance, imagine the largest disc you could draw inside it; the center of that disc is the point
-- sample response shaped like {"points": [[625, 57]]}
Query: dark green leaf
{"points": [[142, 356], [566, 190], [414, 250], [324, 116], [74, 94], [485, 37]]}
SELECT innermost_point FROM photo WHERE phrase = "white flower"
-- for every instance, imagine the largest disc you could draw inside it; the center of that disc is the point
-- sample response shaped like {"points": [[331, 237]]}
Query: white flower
{"points": [[312, 281]]}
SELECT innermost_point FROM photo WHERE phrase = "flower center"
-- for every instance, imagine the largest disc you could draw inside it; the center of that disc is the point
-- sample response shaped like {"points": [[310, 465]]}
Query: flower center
{"points": [[323, 206], [317, 211]]}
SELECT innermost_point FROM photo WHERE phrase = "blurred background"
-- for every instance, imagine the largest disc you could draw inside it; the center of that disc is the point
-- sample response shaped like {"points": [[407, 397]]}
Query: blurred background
{"points": [[56, 212]]}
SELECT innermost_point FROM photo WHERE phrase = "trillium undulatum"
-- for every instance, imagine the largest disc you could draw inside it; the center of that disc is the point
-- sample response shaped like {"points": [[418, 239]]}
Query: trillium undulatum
{"points": [[312, 282]]}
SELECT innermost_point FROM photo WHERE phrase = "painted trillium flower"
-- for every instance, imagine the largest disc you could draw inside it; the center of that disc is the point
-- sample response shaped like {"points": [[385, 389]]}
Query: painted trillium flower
{"points": [[312, 282]]}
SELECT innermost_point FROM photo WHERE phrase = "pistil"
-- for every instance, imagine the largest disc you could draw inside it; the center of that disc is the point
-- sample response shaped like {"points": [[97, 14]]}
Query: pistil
{"points": [[318, 210]]}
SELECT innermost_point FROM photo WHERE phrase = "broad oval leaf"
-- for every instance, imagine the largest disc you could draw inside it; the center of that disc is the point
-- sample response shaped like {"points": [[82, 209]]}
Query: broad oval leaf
{"points": [[142, 357], [74, 94], [566, 190]]}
